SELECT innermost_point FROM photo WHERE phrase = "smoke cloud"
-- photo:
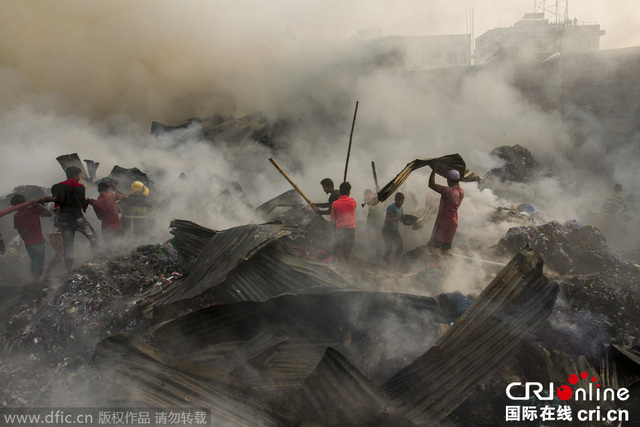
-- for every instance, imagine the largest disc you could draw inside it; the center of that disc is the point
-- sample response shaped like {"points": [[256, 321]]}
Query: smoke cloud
{"points": [[90, 77]]}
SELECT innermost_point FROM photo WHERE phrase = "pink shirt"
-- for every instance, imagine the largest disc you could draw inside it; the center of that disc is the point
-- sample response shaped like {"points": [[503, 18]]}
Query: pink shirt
{"points": [[343, 212]]}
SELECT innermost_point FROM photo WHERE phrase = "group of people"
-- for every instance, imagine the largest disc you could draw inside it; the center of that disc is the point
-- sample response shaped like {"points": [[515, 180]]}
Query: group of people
{"points": [[341, 208], [120, 215]]}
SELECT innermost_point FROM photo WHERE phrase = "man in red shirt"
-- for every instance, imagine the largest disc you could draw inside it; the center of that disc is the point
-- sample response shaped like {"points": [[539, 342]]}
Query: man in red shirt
{"points": [[343, 216], [27, 222], [446, 223], [107, 211]]}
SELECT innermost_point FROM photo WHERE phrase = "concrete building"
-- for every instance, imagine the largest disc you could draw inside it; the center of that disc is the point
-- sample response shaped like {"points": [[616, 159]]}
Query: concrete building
{"points": [[534, 38]]}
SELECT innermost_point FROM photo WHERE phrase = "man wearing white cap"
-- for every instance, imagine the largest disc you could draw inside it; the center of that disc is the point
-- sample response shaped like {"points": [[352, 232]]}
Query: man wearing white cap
{"points": [[446, 223]]}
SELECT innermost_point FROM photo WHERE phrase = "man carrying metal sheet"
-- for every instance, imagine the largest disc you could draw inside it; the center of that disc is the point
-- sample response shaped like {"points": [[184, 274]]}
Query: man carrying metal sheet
{"points": [[446, 223]]}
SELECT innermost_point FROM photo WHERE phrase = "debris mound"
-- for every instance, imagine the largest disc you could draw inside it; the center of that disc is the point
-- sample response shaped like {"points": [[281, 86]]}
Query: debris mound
{"points": [[519, 164], [566, 248]]}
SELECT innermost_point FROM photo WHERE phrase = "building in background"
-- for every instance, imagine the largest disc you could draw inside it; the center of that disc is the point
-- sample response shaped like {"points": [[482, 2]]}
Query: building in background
{"points": [[537, 36]]}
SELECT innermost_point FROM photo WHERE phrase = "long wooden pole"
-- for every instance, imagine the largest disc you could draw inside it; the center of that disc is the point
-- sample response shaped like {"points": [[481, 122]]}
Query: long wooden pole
{"points": [[375, 175], [346, 166], [293, 184]]}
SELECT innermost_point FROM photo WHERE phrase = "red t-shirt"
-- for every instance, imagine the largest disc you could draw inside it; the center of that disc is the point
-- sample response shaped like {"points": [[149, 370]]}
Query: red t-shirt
{"points": [[107, 210], [27, 222], [343, 212]]}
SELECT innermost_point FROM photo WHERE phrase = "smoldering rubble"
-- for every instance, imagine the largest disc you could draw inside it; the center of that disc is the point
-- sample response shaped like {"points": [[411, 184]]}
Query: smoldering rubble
{"points": [[256, 324]]}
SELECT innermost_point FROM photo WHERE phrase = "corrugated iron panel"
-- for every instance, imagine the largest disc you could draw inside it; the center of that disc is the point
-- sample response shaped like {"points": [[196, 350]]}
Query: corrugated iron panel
{"points": [[341, 395], [141, 373], [400, 327], [223, 252], [483, 340]]}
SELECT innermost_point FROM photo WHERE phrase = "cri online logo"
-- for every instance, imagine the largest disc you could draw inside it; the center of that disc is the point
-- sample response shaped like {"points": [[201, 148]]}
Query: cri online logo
{"points": [[565, 392]]}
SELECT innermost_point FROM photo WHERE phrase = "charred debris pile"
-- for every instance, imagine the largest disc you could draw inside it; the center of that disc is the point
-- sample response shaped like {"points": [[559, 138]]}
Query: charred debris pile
{"points": [[254, 324]]}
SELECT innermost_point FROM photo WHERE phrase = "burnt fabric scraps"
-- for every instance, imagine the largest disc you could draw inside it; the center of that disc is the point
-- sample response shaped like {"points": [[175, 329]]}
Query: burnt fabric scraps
{"points": [[479, 344], [445, 164]]}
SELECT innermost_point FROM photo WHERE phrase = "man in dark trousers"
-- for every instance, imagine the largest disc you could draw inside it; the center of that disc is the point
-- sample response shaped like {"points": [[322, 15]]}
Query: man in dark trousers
{"points": [[137, 214], [343, 217], [328, 187], [391, 230], [70, 197]]}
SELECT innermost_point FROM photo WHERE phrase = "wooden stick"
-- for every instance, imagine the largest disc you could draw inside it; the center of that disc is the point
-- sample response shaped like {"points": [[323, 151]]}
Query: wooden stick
{"points": [[346, 166], [293, 184], [375, 176]]}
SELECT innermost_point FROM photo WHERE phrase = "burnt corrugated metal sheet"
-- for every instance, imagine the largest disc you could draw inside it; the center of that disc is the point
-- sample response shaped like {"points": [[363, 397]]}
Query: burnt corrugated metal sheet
{"points": [[189, 240], [483, 340], [137, 372], [68, 160], [223, 252], [342, 396], [445, 164], [288, 198], [276, 270], [380, 332], [279, 348]]}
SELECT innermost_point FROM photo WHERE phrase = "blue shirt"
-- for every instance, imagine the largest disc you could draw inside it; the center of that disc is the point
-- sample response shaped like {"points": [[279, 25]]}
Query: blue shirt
{"points": [[395, 211]]}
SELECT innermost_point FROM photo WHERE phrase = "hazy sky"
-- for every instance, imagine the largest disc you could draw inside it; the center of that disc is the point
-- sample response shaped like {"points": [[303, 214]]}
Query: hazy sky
{"points": [[342, 18]]}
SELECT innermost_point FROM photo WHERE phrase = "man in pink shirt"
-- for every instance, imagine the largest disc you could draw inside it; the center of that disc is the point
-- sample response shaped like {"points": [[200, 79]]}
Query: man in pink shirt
{"points": [[107, 211], [343, 217], [446, 223]]}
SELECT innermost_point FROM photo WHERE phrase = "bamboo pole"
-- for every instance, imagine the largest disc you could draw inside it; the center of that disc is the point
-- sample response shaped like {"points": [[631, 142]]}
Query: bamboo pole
{"points": [[293, 184], [346, 166]]}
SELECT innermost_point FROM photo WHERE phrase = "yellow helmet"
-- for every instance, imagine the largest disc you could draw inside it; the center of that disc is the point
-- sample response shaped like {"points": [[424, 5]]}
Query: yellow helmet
{"points": [[139, 186]]}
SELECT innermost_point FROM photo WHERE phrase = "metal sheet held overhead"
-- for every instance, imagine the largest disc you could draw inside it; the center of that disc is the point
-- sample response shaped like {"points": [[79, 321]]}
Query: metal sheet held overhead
{"points": [[445, 163], [485, 337], [68, 160]]}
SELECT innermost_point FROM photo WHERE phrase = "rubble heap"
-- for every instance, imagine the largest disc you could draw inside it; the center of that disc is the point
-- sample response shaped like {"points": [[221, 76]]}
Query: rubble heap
{"points": [[49, 336], [566, 248]]}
